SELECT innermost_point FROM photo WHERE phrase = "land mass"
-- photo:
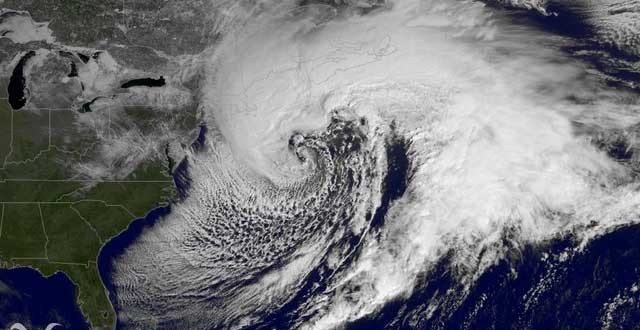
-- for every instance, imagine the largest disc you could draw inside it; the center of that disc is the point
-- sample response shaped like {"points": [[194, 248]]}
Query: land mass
{"points": [[54, 223]]}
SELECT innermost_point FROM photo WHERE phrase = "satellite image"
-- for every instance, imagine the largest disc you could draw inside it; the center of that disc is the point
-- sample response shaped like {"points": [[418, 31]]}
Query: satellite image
{"points": [[319, 164]]}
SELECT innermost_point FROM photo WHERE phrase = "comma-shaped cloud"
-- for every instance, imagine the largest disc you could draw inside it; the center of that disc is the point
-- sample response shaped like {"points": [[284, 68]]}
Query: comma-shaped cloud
{"points": [[20, 326], [17, 326]]}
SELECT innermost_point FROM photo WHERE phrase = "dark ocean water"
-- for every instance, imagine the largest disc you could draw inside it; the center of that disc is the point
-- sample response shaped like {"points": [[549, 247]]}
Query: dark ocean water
{"points": [[533, 288], [31, 299], [572, 19], [571, 294], [118, 245], [36, 301], [542, 286]]}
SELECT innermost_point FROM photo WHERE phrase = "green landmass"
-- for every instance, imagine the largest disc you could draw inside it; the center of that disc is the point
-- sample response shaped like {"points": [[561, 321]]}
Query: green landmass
{"points": [[53, 223], [22, 234]]}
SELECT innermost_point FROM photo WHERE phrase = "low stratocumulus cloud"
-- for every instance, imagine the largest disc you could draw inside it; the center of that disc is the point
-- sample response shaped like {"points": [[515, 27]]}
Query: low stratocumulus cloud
{"points": [[491, 111]]}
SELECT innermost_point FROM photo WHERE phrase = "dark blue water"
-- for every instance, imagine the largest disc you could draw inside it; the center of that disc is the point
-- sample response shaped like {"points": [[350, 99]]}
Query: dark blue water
{"points": [[144, 82], [396, 178], [84, 58], [73, 72], [118, 245], [572, 294], [573, 19], [35, 301], [86, 107], [17, 89]]}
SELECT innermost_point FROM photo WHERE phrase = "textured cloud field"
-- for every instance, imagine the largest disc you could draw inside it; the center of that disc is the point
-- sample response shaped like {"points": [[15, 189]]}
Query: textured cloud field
{"points": [[302, 106]]}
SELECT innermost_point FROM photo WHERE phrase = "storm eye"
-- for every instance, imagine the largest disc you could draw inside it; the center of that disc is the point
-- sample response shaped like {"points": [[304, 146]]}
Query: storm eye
{"points": [[295, 140], [296, 145]]}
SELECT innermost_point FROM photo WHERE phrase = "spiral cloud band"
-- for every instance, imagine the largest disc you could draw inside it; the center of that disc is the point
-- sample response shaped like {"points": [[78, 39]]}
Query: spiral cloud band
{"points": [[349, 149]]}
